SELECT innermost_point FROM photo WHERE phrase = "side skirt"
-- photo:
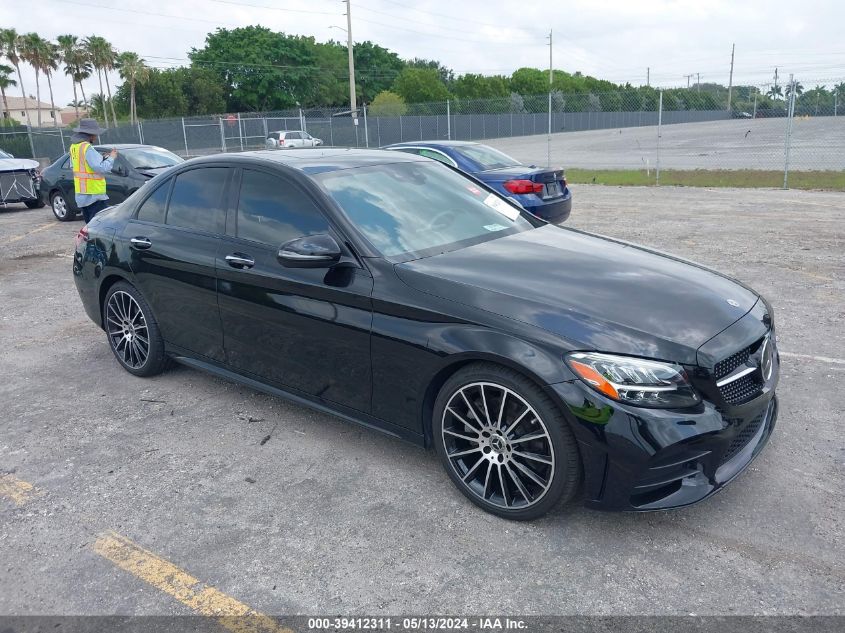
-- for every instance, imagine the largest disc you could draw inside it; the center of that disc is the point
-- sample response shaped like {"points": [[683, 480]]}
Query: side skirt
{"points": [[345, 413]]}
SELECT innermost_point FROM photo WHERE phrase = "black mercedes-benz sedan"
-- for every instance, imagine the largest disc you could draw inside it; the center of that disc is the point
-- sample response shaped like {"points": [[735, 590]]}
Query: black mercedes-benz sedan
{"points": [[540, 362]]}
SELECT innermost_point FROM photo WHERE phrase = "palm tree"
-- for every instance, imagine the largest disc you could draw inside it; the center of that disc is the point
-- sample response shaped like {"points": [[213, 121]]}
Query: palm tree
{"points": [[51, 63], [36, 52], [134, 70], [799, 89], [6, 81], [10, 46], [77, 65], [102, 57], [775, 92]]}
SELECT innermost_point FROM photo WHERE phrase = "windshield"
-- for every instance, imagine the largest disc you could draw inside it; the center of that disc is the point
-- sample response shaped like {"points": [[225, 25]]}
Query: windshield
{"points": [[4, 154], [419, 209], [150, 158], [487, 157]]}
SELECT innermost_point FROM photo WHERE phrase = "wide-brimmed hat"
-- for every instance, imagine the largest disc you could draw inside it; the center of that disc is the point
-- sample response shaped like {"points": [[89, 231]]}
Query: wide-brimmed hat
{"points": [[89, 126]]}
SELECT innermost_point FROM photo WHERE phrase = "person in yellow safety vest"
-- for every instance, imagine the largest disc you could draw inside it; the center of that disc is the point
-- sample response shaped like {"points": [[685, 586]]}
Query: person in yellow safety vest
{"points": [[89, 169]]}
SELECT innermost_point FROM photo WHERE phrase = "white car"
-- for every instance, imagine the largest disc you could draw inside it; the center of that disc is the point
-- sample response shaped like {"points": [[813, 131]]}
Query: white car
{"points": [[20, 181], [291, 138]]}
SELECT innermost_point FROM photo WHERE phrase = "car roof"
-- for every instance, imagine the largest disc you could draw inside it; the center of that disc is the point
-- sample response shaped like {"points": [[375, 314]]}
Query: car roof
{"points": [[434, 144], [284, 131], [126, 146], [317, 160]]}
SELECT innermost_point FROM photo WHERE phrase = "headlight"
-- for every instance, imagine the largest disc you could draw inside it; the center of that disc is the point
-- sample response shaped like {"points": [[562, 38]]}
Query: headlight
{"points": [[643, 383]]}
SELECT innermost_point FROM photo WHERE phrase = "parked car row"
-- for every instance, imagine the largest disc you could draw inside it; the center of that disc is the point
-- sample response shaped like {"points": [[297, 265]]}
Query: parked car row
{"points": [[541, 363]]}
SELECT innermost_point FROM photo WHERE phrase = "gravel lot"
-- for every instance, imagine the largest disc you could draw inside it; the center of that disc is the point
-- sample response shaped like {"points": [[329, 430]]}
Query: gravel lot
{"points": [[328, 517], [737, 144]]}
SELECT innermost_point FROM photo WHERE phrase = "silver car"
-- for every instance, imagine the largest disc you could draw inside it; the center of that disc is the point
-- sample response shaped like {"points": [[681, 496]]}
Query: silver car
{"points": [[284, 139]]}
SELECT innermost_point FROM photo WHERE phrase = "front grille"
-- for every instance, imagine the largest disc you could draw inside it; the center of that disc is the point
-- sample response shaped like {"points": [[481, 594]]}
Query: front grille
{"points": [[742, 389], [725, 367], [744, 435]]}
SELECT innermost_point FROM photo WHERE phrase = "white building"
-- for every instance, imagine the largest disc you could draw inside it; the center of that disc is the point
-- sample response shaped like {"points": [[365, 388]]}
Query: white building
{"points": [[18, 109]]}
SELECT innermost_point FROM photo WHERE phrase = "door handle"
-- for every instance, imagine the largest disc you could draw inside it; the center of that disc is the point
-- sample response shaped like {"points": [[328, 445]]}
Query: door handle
{"points": [[239, 260], [141, 243]]}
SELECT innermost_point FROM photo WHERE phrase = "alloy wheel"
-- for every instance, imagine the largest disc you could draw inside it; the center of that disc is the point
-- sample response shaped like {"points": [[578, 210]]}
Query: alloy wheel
{"points": [[59, 206], [127, 329], [498, 445]]}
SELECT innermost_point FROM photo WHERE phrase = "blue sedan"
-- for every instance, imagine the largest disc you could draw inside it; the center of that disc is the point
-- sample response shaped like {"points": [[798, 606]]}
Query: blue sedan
{"points": [[540, 191]]}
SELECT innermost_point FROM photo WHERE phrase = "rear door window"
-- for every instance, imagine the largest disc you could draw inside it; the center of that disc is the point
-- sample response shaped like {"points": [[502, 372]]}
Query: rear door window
{"points": [[197, 200]]}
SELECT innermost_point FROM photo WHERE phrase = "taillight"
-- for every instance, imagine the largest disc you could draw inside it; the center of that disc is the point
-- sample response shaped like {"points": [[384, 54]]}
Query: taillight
{"points": [[523, 186], [82, 236]]}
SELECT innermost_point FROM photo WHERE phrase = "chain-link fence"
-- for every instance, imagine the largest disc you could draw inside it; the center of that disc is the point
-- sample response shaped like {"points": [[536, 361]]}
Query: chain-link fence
{"points": [[768, 128]]}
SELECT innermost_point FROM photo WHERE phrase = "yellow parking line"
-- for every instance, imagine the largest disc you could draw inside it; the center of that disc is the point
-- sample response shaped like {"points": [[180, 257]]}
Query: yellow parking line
{"points": [[35, 230], [17, 490], [167, 577]]}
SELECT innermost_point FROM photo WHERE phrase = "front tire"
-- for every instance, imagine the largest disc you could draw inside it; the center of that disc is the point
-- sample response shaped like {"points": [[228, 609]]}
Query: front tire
{"points": [[61, 207], [132, 331], [504, 443]]}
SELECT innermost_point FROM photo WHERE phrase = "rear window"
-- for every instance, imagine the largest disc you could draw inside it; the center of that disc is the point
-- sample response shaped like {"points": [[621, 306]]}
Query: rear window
{"points": [[487, 157]]}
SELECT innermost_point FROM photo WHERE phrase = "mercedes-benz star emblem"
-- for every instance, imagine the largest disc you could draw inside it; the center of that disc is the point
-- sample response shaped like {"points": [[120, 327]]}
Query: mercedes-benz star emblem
{"points": [[766, 359], [733, 303]]}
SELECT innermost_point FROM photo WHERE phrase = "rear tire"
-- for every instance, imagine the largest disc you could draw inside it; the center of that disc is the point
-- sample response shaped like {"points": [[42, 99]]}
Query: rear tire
{"points": [[132, 331], [504, 442], [61, 207], [34, 204]]}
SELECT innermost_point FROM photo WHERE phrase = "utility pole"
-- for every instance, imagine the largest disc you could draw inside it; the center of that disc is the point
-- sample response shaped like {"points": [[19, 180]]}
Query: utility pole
{"points": [[648, 76], [688, 78], [698, 81], [731, 80], [551, 73], [352, 100]]}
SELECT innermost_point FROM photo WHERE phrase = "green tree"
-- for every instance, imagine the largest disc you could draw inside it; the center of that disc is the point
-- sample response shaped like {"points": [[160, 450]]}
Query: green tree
{"points": [[67, 45], [35, 51], [473, 86], [102, 56], [134, 70], [387, 103], [77, 65], [529, 81], [420, 85], [10, 48], [6, 81], [375, 69], [203, 91], [260, 69], [447, 76]]}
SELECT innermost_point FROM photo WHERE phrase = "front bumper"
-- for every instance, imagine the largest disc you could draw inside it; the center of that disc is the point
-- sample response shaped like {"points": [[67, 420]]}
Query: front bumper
{"points": [[638, 459], [20, 185]]}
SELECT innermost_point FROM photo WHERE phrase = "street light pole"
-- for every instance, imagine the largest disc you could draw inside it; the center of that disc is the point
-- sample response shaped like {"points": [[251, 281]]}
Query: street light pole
{"points": [[352, 99], [731, 79], [549, 140]]}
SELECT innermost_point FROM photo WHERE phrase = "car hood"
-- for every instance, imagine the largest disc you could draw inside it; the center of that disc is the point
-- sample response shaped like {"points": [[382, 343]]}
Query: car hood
{"points": [[12, 164], [596, 293]]}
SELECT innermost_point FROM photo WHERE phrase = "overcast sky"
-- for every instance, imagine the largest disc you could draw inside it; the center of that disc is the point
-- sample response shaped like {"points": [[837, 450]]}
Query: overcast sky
{"points": [[610, 39]]}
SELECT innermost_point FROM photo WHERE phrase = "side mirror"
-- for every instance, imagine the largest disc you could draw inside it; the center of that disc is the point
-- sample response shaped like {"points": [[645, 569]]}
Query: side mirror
{"points": [[310, 251]]}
